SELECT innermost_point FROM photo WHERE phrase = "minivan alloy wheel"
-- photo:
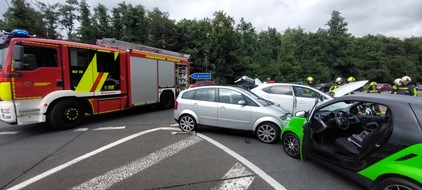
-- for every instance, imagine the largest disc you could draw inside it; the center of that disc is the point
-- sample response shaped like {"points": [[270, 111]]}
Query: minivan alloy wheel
{"points": [[187, 123], [268, 133]]}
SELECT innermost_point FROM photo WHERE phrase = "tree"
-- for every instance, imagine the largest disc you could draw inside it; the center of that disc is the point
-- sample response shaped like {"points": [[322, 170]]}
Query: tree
{"points": [[2, 24], [193, 39], [267, 57], [337, 25], [162, 30], [101, 22], [86, 32], [247, 46], [50, 16], [21, 15], [338, 45], [68, 15], [130, 23], [223, 45]]}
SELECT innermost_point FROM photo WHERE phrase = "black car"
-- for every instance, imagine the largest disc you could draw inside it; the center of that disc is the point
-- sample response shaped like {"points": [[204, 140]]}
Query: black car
{"points": [[374, 139], [324, 87]]}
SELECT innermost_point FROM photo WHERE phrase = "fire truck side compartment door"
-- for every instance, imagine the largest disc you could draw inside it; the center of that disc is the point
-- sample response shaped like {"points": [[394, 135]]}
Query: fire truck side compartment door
{"points": [[166, 74], [144, 80]]}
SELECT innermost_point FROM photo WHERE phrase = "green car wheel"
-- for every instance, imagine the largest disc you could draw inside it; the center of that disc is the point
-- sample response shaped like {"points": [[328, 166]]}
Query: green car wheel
{"points": [[395, 183], [291, 145]]}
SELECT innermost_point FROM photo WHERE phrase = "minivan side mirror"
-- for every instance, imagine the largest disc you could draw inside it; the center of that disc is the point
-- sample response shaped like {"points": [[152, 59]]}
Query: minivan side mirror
{"points": [[241, 102]]}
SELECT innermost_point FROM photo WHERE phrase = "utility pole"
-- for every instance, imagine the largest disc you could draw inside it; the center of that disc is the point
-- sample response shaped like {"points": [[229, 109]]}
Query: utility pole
{"points": [[7, 2]]}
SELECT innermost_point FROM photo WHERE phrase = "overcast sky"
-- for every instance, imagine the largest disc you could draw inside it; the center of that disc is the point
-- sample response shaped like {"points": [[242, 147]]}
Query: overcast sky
{"points": [[392, 18]]}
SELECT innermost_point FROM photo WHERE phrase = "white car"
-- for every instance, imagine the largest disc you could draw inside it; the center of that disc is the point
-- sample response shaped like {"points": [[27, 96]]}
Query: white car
{"points": [[296, 97]]}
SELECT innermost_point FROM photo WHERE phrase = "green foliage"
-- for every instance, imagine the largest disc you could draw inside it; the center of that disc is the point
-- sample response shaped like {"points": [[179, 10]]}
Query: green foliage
{"points": [[223, 46], [68, 16], [228, 50], [86, 32], [192, 36], [161, 30], [50, 16], [101, 22], [130, 23], [21, 15]]}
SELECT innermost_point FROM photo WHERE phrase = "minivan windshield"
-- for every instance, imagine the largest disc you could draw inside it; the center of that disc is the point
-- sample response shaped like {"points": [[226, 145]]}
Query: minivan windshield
{"points": [[256, 97]]}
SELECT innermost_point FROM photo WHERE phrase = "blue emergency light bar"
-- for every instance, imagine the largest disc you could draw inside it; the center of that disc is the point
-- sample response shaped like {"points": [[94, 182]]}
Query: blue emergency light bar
{"points": [[19, 33]]}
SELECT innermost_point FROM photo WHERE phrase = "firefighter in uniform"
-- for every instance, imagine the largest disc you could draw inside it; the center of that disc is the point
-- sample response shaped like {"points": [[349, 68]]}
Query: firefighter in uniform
{"points": [[310, 81], [339, 82], [373, 88], [406, 88], [374, 107], [397, 84]]}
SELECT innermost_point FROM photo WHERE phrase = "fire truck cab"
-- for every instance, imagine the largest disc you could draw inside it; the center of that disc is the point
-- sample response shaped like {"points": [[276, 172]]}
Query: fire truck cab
{"points": [[59, 82]]}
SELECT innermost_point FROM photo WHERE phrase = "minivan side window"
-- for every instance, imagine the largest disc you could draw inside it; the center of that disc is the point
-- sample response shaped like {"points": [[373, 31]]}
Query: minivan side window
{"points": [[188, 95], [207, 94]]}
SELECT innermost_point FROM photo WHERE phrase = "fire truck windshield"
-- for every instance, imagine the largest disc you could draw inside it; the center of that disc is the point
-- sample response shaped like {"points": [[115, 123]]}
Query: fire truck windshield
{"points": [[3, 53], [4, 44]]}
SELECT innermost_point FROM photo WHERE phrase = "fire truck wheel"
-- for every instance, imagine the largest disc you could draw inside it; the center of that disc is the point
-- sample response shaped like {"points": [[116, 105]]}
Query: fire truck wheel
{"points": [[65, 114], [166, 100]]}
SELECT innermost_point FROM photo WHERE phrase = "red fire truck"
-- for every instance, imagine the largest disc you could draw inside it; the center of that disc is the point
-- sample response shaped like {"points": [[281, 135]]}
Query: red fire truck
{"points": [[59, 82]]}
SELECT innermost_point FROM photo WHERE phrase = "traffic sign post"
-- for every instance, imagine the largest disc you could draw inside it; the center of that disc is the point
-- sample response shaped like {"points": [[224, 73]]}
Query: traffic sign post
{"points": [[197, 76]]}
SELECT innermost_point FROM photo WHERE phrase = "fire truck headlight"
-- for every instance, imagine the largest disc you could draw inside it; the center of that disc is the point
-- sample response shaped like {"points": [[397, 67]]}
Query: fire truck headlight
{"points": [[5, 110], [6, 116]]}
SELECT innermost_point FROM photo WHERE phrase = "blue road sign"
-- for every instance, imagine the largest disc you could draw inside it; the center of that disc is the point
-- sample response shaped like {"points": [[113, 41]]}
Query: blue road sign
{"points": [[200, 76]]}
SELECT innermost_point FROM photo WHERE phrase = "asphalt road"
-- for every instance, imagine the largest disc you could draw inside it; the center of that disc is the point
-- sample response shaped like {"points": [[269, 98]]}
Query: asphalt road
{"points": [[136, 150]]}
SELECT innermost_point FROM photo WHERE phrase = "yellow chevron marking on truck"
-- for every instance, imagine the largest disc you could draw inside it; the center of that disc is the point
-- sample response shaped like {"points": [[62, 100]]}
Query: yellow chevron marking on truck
{"points": [[88, 79], [101, 83], [116, 54]]}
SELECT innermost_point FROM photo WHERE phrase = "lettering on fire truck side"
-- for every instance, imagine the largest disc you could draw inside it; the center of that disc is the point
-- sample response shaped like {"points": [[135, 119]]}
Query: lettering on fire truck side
{"points": [[77, 71]]}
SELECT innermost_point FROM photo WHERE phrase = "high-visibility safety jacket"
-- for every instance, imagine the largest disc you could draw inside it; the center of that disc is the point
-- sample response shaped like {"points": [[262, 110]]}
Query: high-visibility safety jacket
{"points": [[376, 107], [373, 91], [407, 90], [394, 89], [334, 87]]}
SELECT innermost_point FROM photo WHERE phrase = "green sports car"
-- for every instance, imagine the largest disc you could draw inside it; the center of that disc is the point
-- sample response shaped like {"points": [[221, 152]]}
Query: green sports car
{"points": [[374, 139]]}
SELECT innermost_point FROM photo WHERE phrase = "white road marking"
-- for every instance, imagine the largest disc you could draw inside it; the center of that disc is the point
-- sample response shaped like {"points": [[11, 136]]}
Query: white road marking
{"points": [[109, 128], [9, 132], [81, 129], [237, 171], [114, 176], [83, 157], [245, 162], [174, 125]]}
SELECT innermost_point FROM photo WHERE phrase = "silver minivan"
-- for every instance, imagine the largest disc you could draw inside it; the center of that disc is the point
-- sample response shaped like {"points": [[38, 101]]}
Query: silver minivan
{"points": [[230, 107]]}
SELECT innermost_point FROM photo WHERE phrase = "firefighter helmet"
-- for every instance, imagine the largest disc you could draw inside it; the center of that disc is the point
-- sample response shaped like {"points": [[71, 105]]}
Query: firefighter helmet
{"points": [[373, 83], [351, 79], [397, 81], [309, 79], [338, 79], [406, 79]]}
